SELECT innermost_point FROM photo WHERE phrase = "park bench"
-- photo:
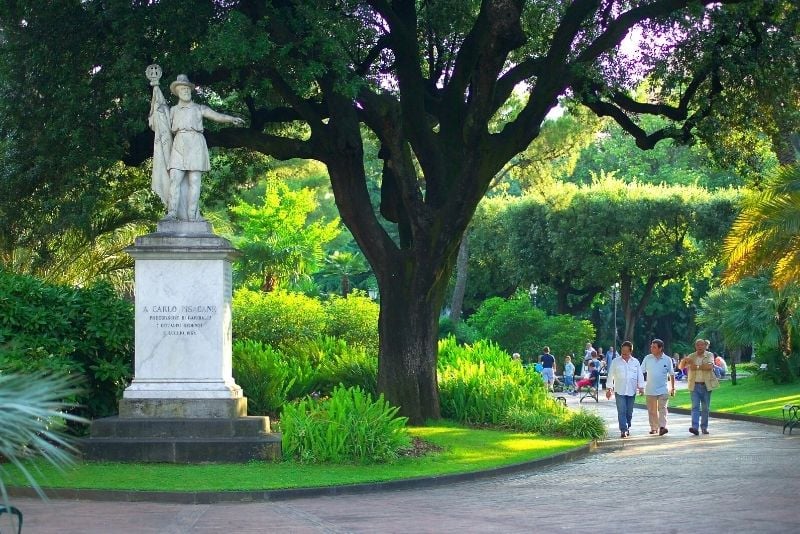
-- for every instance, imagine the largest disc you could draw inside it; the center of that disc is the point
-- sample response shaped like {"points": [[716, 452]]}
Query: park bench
{"points": [[791, 417], [12, 511], [592, 392]]}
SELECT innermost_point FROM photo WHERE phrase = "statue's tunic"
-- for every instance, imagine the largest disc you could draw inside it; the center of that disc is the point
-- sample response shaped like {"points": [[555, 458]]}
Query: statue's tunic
{"points": [[189, 149]]}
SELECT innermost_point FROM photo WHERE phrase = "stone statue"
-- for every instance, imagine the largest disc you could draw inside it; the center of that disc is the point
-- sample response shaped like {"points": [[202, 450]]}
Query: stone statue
{"points": [[180, 154]]}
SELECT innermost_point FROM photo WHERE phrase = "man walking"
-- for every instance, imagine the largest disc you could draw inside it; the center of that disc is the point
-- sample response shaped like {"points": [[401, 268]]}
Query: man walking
{"points": [[700, 366], [660, 386], [624, 379], [548, 367]]}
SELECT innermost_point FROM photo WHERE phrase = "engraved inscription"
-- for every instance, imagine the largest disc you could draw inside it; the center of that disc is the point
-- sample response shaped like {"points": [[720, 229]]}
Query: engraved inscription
{"points": [[178, 320]]}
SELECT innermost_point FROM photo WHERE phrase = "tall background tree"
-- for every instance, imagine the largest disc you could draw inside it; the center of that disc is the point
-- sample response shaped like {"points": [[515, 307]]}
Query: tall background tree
{"points": [[425, 78]]}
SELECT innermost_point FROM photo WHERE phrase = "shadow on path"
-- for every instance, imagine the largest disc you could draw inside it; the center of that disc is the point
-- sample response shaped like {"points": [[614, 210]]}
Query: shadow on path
{"points": [[743, 477]]}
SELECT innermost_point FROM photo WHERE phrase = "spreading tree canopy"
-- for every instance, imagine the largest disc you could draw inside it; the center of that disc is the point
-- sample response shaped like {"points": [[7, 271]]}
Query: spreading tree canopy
{"points": [[423, 77]]}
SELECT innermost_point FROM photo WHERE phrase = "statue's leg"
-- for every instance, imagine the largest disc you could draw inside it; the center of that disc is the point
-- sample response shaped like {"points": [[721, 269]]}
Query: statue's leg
{"points": [[175, 178], [195, 179]]}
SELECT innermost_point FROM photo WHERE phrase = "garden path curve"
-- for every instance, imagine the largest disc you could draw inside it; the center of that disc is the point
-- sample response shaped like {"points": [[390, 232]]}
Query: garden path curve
{"points": [[743, 477]]}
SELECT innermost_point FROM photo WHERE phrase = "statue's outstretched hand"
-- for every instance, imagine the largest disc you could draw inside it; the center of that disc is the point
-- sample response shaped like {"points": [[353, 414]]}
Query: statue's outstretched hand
{"points": [[237, 121]]}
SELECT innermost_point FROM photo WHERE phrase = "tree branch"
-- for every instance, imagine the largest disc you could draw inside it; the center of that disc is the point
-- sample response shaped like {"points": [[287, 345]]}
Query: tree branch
{"points": [[272, 145], [304, 108], [619, 27]]}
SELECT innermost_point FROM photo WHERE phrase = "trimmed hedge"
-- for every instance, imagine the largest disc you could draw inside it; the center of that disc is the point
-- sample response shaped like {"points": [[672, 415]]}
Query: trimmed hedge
{"points": [[84, 332]]}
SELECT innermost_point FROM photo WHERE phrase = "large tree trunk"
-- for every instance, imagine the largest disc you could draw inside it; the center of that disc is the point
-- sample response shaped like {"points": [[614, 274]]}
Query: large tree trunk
{"points": [[412, 279], [409, 327], [632, 311], [462, 262]]}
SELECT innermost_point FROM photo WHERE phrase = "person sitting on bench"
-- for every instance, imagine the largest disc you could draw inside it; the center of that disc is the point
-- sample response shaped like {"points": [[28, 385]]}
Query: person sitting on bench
{"points": [[591, 381]]}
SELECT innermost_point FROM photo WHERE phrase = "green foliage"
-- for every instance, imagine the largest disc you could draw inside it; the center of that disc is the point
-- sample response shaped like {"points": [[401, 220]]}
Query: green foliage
{"points": [[516, 326], [283, 318], [480, 384], [341, 267], [276, 239], [271, 377], [86, 332], [353, 319], [584, 424], [276, 317], [581, 424], [263, 375], [347, 427], [352, 366], [764, 235], [463, 333], [753, 312], [34, 416], [667, 163]]}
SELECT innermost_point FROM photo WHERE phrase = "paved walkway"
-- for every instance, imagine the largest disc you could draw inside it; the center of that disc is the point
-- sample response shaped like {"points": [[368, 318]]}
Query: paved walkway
{"points": [[743, 477]]}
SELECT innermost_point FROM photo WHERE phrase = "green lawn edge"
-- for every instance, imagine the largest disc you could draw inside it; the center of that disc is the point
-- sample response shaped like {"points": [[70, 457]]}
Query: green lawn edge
{"points": [[464, 450], [750, 396]]}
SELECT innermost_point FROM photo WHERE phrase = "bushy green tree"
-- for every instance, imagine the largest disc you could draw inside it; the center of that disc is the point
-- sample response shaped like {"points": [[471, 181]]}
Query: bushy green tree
{"points": [[517, 326], [276, 240], [671, 163], [581, 240]]}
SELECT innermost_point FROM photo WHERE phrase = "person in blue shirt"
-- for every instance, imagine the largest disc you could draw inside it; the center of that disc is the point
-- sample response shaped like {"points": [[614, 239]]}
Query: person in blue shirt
{"points": [[569, 374], [660, 386], [548, 367]]}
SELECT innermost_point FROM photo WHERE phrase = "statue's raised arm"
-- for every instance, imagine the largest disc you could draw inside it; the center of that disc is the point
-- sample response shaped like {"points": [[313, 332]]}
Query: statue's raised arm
{"points": [[180, 153]]}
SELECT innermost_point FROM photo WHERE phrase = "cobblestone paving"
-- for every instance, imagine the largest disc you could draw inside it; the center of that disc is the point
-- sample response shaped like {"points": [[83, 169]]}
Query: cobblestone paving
{"points": [[743, 477]]}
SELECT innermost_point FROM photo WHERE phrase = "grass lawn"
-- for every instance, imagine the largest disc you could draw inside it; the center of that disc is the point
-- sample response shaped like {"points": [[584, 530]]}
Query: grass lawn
{"points": [[750, 396], [464, 450]]}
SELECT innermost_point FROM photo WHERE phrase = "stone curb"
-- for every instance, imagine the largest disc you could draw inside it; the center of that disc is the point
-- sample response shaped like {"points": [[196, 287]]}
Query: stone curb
{"points": [[723, 415], [210, 497]]}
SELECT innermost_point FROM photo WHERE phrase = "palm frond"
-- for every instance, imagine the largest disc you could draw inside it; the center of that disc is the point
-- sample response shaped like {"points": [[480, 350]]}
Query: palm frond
{"points": [[765, 235], [34, 414]]}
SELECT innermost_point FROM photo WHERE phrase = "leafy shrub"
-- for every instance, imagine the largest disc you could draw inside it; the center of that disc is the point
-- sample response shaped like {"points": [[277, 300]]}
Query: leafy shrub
{"points": [[582, 424], [528, 420], [351, 366], [263, 375], [276, 317], [517, 326], [480, 384], [347, 427], [353, 319], [509, 323], [463, 332], [301, 360], [780, 370], [86, 332], [271, 377]]}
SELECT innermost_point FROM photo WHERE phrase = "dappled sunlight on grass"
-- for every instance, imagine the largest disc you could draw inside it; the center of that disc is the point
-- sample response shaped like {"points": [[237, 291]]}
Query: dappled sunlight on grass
{"points": [[463, 450], [751, 396]]}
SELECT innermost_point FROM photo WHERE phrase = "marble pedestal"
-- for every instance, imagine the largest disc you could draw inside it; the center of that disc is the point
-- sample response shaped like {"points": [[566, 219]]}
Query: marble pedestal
{"points": [[183, 404]]}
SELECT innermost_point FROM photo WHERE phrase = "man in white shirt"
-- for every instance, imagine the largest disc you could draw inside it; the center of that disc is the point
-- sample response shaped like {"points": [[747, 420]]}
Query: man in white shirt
{"points": [[625, 379], [660, 386]]}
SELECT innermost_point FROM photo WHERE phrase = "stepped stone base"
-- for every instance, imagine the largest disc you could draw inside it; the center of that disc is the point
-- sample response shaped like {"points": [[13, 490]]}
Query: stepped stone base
{"points": [[189, 408], [181, 440]]}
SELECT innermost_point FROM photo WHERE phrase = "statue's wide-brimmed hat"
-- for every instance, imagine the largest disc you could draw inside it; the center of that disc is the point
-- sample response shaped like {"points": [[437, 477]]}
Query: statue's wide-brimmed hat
{"points": [[181, 80]]}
